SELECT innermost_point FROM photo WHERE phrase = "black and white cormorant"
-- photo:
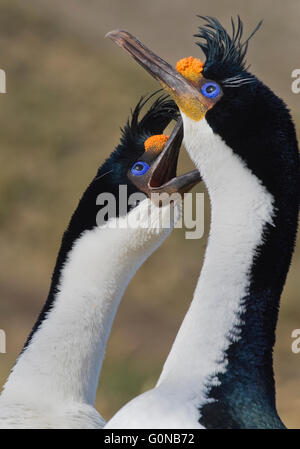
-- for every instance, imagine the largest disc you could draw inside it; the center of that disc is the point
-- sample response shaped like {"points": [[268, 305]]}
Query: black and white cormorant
{"points": [[54, 381], [219, 373]]}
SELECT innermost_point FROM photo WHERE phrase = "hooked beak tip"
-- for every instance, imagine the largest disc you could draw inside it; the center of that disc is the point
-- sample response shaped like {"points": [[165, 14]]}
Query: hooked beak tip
{"points": [[116, 35], [111, 34]]}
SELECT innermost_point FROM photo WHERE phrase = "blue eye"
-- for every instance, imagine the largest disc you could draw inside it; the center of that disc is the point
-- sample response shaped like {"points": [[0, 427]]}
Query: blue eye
{"points": [[210, 89], [139, 168]]}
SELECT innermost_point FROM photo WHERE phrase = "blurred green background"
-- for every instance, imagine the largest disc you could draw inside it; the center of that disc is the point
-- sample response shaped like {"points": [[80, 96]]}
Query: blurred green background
{"points": [[68, 92]]}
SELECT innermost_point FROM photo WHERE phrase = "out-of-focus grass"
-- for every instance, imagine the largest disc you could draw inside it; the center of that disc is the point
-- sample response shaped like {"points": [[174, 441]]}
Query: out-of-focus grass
{"points": [[67, 97]]}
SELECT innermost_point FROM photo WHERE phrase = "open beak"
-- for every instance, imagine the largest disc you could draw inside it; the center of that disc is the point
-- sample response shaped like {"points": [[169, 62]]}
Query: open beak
{"points": [[162, 174], [163, 171], [187, 97]]}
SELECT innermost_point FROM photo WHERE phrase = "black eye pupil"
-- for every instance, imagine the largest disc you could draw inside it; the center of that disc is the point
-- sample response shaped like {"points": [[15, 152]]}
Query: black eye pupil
{"points": [[138, 167], [210, 89]]}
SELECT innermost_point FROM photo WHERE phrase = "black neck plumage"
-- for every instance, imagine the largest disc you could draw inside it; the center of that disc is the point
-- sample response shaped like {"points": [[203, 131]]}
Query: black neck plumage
{"points": [[83, 219], [245, 397]]}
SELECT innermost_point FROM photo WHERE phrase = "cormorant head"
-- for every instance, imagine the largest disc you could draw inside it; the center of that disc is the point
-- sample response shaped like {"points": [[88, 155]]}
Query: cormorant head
{"points": [[224, 95], [146, 159]]}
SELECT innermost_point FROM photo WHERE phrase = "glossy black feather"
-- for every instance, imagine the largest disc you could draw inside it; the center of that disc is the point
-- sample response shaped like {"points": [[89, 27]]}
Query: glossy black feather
{"points": [[153, 122], [225, 53]]}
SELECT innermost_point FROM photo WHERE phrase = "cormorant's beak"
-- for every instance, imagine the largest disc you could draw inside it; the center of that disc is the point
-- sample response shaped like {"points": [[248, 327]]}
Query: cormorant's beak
{"points": [[186, 95], [162, 173]]}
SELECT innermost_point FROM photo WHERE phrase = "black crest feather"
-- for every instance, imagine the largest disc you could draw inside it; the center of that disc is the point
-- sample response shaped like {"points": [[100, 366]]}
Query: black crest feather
{"points": [[154, 121], [137, 129], [221, 47]]}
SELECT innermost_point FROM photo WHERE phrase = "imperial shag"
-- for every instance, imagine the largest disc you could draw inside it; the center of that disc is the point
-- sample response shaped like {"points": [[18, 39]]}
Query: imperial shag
{"points": [[54, 382], [219, 373]]}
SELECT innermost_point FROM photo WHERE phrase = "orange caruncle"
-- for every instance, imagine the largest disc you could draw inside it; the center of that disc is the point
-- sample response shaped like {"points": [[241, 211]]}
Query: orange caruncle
{"points": [[190, 68], [156, 143]]}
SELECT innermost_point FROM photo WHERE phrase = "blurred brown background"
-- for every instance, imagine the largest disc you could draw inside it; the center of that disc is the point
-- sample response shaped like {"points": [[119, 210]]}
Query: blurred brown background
{"points": [[68, 92]]}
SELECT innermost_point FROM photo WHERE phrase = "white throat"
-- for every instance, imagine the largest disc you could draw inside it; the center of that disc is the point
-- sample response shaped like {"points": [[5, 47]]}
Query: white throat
{"points": [[63, 360], [240, 208]]}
